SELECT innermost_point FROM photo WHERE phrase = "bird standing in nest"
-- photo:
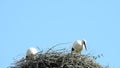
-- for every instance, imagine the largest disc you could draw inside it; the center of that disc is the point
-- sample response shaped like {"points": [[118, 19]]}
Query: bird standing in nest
{"points": [[78, 47]]}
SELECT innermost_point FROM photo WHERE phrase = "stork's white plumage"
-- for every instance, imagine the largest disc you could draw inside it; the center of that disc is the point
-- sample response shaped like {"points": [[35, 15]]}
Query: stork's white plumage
{"points": [[31, 53], [78, 46]]}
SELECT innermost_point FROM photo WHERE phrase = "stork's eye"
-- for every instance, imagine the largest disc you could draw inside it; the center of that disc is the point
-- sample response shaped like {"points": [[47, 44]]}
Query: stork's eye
{"points": [[73, 49]]}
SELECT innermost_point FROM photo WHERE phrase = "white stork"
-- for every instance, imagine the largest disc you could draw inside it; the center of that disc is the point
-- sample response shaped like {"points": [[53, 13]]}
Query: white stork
{"points": [[32, 54], [78, 47]]}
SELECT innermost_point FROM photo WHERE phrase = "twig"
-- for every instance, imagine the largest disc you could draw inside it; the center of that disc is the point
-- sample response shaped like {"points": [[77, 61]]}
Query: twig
{"points": [[57, 45]]}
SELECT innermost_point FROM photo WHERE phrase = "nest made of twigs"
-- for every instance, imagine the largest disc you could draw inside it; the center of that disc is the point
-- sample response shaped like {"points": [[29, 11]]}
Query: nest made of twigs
{"points": [[58, 59]]}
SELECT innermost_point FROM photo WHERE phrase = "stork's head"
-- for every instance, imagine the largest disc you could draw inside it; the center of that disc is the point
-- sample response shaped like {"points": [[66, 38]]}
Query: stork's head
{"points": [[84, 44]]}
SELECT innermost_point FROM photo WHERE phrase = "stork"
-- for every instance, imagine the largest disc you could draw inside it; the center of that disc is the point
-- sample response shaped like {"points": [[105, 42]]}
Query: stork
{"points": [[32, 54], [78, 47]]}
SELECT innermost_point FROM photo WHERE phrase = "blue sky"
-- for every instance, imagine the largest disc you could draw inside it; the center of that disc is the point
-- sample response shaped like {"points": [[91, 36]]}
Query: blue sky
{"points": [[28, 23]]}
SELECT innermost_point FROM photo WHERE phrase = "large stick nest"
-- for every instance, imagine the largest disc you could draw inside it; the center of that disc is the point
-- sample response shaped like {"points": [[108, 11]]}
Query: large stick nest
{"points": [[58, 59]]}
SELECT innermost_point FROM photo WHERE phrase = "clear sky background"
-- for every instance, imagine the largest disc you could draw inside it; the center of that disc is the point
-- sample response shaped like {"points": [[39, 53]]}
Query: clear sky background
{"points": [[43, 23]]}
